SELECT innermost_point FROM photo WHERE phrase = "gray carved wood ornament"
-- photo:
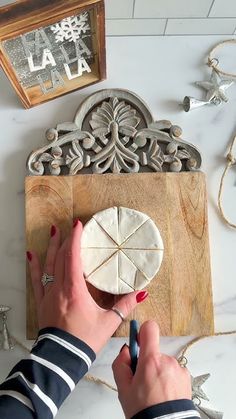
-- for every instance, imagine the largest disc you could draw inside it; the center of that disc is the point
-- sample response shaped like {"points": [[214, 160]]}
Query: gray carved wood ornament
{"points": [[113, 132]]}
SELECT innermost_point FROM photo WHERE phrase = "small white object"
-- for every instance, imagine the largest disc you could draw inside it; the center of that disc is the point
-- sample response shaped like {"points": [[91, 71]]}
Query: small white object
{"points": [[93, 258], [129, 221], [47, 59], [147, 261], [71, 28], [82, 66], [146, 237], [121, 249], [109, 222], [95, 237], [105, 277]]}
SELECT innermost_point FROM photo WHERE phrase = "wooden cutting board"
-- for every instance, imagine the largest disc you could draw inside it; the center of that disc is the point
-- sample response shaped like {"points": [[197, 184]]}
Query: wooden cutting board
{"points": [[180, 297]]}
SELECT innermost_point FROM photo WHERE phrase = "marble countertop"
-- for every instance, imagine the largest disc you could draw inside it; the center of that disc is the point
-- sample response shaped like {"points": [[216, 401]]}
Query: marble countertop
{"points": [[161, 70]]}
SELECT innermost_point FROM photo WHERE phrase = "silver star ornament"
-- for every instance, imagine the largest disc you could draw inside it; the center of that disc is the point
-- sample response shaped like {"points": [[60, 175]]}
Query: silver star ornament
{"points": [[209, 413], [197, 382], [198, 393], [5, 338], [216, 88]]}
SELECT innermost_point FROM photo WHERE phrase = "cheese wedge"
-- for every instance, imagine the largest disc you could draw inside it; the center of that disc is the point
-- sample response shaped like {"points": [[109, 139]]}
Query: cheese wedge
{"points": [[130, 277], [147, 261], [94, 236], [93, 258], [109, 222], [141, 281], [126, 270], [146, 237], [105, 277], [129, 221]]}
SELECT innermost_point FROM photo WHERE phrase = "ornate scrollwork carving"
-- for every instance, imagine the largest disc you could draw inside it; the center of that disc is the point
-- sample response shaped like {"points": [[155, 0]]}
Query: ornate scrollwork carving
{"points": [[114, 132]]}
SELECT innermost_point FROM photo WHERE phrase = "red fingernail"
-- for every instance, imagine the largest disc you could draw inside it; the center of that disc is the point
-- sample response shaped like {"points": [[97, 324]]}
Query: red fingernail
{"points": [[121, 349], [141, 296], [53, 231], [29, 256], [75, 223]]}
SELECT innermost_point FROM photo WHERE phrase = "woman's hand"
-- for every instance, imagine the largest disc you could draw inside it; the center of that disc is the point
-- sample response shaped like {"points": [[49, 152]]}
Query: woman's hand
{"points": [[66, 303], [158, 378]]}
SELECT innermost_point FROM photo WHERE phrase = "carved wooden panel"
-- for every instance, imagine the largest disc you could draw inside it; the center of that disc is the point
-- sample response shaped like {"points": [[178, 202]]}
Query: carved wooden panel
{"points": [[114, 131]]}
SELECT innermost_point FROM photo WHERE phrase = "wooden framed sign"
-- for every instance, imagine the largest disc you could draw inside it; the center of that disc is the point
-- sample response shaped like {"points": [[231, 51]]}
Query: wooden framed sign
{"points": [[50, 48]]}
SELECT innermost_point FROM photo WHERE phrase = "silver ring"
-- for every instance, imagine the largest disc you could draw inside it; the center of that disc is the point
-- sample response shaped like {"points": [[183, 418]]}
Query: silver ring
{"points": [[46, 279], [118, 312]]}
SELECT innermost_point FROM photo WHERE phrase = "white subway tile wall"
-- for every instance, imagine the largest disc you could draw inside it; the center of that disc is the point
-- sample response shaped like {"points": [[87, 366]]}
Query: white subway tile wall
{"points": [[170, 17], [200, 26], [117, 9], [223, 8], [171, 8], [118, 27]]}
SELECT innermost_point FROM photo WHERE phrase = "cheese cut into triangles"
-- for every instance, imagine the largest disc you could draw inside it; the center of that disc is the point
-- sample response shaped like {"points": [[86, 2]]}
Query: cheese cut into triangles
{"points": [[146, 237], [141, 281], [105, 277], [127, 270], [93, 258], [129, 221], [94, 236], [108, 220], [130, 278], [147, 261], [124, 288], [121, 250]]}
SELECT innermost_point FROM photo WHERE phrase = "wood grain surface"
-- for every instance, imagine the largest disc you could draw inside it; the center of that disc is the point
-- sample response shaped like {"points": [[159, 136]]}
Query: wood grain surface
{"points": [[180, 297]]}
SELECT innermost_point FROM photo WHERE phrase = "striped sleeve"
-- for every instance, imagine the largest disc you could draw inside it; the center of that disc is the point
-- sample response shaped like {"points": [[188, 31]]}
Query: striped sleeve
{"points": [[37, 386], [176, 409]]}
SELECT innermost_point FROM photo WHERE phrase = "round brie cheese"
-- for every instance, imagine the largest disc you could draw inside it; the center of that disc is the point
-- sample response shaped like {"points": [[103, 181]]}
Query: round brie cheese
{"points": [[121, 250]]}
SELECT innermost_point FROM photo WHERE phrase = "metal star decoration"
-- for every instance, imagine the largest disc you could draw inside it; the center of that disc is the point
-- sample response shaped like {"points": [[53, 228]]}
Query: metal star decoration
{"points": [[216, 88], [5, 338], [208, 413], [198, 393], [197, 382]]}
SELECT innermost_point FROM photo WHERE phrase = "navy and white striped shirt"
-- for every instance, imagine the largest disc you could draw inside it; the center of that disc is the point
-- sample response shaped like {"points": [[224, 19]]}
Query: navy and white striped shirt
{"points": [[38, 385]]}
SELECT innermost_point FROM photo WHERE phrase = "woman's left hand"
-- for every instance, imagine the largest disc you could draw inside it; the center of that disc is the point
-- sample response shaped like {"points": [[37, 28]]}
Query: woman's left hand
{"points": [[66, 303]]}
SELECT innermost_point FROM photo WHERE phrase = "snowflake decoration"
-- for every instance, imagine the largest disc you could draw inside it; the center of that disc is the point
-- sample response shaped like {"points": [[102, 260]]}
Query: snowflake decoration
{"points": [[70, 28]]}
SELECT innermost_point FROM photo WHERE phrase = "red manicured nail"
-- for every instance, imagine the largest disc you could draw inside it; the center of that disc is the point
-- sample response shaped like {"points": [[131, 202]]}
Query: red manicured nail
{"points": [[29, 256], [53, 231], [75, 223], [121, 349], [141, 296]]}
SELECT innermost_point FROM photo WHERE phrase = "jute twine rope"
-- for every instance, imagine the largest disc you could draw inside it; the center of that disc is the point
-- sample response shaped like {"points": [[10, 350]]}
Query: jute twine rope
{"points": [[213, 62], [97, 380], [182, 356], [231, 161]]}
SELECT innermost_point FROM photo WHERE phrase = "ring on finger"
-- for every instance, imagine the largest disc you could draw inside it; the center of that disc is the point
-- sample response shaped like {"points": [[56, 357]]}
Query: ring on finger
{"points": [[119, 313], [47, 278]]}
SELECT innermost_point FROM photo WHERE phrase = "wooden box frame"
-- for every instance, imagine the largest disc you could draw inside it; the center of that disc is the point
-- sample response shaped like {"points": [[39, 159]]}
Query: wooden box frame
{"points": [[25, 16]]}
